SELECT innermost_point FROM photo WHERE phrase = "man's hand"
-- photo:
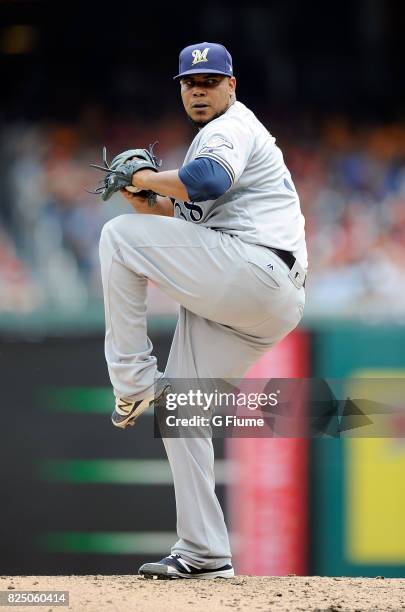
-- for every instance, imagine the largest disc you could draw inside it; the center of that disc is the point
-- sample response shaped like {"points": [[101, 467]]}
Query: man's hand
{"points": [[137, 200], [140, 204]]}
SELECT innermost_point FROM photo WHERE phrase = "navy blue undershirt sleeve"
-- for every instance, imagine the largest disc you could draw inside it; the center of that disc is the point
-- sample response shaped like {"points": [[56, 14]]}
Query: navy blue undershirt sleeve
{"points": [[205, 179]]}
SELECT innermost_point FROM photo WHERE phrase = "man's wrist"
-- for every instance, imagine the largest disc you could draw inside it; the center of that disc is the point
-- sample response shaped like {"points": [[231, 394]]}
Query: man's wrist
{"points": [[140, 179], [165, 183]]}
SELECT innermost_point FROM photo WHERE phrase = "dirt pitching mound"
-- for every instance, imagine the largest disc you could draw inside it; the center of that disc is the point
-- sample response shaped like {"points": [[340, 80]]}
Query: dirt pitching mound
{"points": [[242, 593]]}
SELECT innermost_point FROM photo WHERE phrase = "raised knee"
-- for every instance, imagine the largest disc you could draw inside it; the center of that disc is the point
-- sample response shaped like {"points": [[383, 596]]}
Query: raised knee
{"points": [[135, 230], [114, 225], [110, 236]]}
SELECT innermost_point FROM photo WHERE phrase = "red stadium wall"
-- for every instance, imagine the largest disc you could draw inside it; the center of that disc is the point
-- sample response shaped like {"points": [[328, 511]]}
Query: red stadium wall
{"points": [[268, 499]]}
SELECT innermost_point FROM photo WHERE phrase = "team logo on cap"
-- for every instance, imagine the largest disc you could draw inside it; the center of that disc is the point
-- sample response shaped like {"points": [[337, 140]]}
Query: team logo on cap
{"points": [[199, 56]]}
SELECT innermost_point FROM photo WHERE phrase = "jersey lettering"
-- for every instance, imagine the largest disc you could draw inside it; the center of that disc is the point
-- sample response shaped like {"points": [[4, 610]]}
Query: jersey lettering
{"points": [[196, 212], [181, 214]]}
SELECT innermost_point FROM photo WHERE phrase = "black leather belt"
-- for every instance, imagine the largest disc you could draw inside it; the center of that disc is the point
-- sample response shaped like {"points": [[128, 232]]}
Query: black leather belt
{"points": [[286, 256]]}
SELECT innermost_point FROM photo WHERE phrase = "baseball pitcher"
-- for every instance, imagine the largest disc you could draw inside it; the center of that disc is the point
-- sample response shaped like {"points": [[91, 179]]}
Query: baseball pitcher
{"points": [[224, 237]]}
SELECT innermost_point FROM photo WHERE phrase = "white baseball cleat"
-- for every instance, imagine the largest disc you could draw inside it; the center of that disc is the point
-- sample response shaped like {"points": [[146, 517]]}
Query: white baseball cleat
{"points": [[174, 566], [127, 411]]}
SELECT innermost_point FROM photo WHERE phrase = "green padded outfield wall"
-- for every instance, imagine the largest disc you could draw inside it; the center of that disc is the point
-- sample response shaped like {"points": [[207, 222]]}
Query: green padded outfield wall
{"points": [[358, 484]]}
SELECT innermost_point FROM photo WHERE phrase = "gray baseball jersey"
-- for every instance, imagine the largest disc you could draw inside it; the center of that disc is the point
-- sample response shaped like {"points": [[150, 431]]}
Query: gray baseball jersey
{"points": [[262, 206]]}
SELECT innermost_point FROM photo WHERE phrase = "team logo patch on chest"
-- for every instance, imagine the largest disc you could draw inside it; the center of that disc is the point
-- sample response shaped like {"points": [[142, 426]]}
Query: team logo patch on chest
{"points": [[199, 56]]}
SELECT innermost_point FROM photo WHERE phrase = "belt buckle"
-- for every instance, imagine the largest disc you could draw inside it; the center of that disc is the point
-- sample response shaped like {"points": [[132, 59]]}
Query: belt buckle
{"points": [[297, 275]]}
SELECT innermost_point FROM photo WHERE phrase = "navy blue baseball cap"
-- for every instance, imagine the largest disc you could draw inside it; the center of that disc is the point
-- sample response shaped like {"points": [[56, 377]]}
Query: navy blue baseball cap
{"points": [[204, 58]]}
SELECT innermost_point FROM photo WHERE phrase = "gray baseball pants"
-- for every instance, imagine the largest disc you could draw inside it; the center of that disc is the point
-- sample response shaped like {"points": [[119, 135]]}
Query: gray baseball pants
{"points": [[236, 301]]}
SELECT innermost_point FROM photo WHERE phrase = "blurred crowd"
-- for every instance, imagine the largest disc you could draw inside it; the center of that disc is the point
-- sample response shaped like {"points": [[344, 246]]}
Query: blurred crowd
{"points": [[351, 182]]}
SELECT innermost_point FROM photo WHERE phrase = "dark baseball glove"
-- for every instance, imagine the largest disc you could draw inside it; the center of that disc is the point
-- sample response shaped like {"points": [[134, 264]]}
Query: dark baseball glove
{"points": [[121, 170]]}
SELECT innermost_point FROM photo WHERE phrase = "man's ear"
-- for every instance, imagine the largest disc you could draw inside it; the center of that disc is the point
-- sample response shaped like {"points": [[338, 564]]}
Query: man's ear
{"points": [[232, 88]]}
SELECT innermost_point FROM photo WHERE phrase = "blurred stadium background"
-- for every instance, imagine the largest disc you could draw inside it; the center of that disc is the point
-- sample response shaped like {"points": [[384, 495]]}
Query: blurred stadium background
{"points": [[327, 80]]}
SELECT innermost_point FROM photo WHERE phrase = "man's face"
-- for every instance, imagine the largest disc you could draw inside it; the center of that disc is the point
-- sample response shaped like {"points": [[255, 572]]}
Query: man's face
{"points": [[206, 96]]}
